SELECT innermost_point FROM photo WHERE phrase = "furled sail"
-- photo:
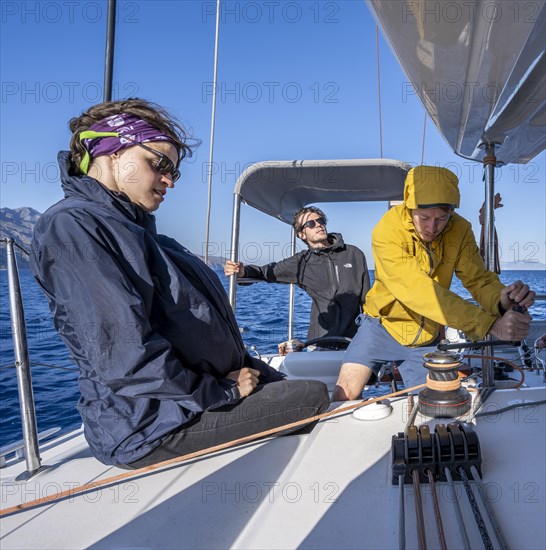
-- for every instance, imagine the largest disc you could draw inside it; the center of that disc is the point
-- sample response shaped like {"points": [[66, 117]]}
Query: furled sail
{"points": [[478, 67]]}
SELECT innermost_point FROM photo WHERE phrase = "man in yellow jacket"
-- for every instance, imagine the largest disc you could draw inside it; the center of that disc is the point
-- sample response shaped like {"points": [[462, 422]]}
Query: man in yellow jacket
{"points": [[418, 246]]}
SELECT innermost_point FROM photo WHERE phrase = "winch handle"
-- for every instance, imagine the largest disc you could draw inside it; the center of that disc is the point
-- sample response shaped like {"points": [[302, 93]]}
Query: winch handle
{"points": [[480, 344]]}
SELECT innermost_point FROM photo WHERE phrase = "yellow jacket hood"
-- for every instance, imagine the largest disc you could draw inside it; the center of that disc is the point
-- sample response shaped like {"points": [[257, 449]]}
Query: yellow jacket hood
{"points": [[431, 186]]}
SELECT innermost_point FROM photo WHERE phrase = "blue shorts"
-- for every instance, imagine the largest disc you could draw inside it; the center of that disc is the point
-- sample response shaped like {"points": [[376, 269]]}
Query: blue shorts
{"points": [[372, 346]]}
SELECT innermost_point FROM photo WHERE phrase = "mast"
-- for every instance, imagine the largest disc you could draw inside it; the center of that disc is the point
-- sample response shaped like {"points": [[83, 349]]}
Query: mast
{"points": [[110, 42]]}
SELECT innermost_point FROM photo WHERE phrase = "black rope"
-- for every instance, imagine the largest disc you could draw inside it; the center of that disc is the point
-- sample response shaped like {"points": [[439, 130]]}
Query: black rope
{"points": [[477, 514]]}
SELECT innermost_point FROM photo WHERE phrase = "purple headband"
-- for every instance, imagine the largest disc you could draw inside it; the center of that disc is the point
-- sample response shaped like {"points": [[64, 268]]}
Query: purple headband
{"points": [[137, 129]]}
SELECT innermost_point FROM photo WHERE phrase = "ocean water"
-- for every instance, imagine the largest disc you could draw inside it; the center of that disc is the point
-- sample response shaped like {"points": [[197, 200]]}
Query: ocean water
{"points": [[262, 313]]}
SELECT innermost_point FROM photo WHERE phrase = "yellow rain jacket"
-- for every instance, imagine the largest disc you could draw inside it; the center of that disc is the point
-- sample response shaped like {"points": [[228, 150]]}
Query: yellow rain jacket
{"points": [[411, 293]]}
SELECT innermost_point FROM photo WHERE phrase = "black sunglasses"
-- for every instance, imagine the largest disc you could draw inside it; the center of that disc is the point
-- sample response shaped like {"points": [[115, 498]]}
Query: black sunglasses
{"points": [[311, 224], [164, 165]]}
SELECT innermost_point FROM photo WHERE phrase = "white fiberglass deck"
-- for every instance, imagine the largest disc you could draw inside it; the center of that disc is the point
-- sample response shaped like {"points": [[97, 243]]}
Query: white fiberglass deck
{"points": [[329, 489]]}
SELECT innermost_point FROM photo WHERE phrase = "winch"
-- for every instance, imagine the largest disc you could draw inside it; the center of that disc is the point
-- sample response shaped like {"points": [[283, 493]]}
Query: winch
{"points": [[443, 397]]}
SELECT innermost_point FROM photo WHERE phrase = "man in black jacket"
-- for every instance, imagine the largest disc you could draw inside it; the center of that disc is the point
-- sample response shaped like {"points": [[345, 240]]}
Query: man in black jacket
{"points": [[334, 274]]}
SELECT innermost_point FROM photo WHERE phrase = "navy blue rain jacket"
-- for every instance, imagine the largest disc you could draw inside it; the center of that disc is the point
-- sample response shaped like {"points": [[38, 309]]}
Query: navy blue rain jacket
{"points": [[148, 323]]}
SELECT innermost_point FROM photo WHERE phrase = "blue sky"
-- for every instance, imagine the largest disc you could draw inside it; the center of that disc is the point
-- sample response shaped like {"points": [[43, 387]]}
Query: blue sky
{"points": [[297, 80]]}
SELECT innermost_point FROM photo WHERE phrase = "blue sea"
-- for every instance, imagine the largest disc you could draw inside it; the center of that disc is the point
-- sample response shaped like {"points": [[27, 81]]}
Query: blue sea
{"points": [[262, 313]]}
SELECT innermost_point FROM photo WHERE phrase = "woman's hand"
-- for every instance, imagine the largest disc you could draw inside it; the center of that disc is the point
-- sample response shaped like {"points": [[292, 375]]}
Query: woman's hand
{"points": [[246, 379]]}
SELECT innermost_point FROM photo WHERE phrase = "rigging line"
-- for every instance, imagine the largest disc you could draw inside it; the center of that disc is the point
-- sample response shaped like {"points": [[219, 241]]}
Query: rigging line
{"points": [[500, 359], [16, 244], [437, 513], [511, 407], [423, 143], [15, 365], [401, 515], [488, 508], [212, 122], [458, 515], [72, 369], [86, 487], [420, 518], [411, 418], [379, 91], [477, 514]]}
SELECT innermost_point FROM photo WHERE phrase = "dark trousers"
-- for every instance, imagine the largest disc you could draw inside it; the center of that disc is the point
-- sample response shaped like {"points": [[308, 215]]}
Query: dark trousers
{"points": [[269, 406]]}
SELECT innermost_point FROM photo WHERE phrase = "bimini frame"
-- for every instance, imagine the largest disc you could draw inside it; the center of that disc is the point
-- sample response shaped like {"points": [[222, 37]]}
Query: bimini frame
{"points": [[281, 188]]}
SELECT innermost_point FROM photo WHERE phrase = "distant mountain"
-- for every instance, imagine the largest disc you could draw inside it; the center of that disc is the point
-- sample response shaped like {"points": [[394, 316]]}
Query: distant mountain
{"points": [[523, 266], [17, 224]]}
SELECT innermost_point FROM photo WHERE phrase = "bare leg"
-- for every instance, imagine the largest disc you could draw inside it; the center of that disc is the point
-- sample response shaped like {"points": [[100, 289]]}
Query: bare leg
{"points": [[351, 381]]}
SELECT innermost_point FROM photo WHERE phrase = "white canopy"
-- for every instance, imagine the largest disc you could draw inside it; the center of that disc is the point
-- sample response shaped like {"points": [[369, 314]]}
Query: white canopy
{"points": [[280, 188]]}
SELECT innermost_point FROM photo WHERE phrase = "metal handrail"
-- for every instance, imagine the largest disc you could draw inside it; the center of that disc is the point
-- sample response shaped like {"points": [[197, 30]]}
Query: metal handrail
{"points": [[19, 446], [22, 364]]}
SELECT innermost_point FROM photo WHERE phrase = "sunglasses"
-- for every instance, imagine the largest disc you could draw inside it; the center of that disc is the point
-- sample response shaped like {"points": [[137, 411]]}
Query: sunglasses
{"points": [[311, 224], [164, 165]]}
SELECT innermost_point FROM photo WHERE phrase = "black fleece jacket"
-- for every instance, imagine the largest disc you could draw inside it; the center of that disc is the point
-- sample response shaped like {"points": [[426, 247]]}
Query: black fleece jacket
{"points": [[336, 278]]}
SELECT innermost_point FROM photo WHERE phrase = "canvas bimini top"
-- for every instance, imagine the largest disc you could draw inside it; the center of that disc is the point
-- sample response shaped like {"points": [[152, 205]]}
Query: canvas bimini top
{"points": [[280, 188]]}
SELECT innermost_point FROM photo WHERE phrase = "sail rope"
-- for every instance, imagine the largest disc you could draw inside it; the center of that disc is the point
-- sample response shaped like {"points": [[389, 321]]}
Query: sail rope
{"points": [[458, 515], [487, 505], [437, 513], [475, 510], [419, 516], [401, 515]]}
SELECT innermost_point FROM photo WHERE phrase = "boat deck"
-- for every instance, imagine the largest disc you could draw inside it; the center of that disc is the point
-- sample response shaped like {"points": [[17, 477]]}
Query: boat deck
{"points": [[329, 489]]}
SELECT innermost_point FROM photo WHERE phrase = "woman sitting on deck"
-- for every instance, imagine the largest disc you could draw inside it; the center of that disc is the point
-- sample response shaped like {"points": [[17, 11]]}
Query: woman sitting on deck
{"points": [[163, 368]]}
